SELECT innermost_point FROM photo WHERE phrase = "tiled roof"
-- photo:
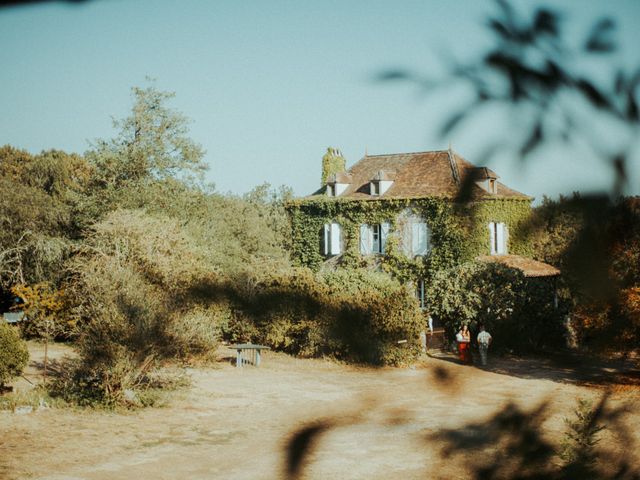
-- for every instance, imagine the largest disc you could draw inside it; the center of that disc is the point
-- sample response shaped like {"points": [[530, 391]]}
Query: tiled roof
{"points": [[421, 174], [530, 268]]}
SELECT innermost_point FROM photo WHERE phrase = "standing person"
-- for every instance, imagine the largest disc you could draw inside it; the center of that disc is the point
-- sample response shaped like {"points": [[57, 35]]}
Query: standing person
{"points": [[484, 340], [464, 338]]}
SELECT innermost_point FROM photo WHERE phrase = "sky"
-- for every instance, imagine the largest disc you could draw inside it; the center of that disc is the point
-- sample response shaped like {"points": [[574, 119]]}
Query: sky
{"points": [[269, 85]]}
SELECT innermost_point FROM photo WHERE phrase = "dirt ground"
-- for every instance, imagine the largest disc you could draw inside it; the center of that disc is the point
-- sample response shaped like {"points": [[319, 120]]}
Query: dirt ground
{"points": [[235, 423]]}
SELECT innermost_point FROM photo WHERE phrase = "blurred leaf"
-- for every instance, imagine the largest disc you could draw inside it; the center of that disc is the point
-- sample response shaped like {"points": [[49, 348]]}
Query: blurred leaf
{"points": [[597, 98], [632, 108], [599, 39], [546, 21], [300, 446], [534, 140], [390, 75], [453, 121]]}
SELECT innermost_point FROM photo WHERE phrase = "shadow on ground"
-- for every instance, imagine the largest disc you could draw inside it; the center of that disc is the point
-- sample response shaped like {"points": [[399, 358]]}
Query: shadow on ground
{"points": [[568, 368]]}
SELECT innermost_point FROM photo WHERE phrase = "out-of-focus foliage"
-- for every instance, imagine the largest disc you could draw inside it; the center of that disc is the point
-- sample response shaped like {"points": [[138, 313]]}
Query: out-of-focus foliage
{"points": [[547, 84], [13, 353], [517, 311]]}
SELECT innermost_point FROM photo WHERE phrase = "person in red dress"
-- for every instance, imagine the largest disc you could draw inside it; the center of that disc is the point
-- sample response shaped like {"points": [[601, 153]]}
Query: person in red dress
{"points": [[464, 342]]}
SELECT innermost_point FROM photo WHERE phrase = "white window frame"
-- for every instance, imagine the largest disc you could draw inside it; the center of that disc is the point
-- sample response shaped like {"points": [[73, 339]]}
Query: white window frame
{"points": [[498, 238]]}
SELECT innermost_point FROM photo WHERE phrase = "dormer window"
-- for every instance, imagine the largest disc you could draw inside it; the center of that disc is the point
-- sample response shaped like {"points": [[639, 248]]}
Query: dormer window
{"points": [[381, 182], [486, 179], [338, 184]]}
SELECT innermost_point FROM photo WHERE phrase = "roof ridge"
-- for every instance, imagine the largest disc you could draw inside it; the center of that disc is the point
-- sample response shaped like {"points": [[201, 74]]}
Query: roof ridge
{"points": [[404, 153]]}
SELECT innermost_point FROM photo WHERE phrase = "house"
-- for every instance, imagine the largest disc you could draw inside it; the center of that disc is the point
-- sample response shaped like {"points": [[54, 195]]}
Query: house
{"points": [[402, 213]]}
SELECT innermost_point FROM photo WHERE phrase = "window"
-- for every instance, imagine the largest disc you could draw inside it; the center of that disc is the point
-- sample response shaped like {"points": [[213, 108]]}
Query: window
{"points": [[331, 239], [498, 238], [416, 237], [375, 188], [373, 238], [331, 190], [420, 293]]}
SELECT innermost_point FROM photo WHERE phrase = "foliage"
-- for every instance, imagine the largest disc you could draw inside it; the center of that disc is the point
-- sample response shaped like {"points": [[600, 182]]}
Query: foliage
{"points": [[459, 231], [150, 151], [597, 287], [518, 312], [355, 315], [547, 86], [43, 307], [13, 353], [580, 439], [36, 215], [332, 162]]}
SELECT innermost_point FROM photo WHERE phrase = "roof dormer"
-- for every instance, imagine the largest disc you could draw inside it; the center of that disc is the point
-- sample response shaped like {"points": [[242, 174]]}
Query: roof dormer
{"points": [[381, 182], [486, 179], [337, 183]]}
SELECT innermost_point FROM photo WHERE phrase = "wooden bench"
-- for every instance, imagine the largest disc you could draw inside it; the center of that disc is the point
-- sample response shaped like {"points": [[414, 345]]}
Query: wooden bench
{"points": [[245, 351]]}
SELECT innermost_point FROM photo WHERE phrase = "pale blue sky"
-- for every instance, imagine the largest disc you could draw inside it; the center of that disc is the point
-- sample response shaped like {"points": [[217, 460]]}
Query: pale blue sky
{"points": [[269, 84]]}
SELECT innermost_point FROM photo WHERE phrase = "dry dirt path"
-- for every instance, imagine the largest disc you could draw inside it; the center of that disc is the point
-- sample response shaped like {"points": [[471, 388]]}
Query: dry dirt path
{"points": [[235, 423]]}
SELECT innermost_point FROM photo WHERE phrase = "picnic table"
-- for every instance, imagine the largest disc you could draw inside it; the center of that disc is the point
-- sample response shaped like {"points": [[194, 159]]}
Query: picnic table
{"points": [[246, 350]]}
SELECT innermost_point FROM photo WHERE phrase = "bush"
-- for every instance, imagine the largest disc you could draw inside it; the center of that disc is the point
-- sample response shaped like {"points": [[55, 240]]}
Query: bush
{"points": [[13, 353], [353, 315], [197, 331], [517, 311]]}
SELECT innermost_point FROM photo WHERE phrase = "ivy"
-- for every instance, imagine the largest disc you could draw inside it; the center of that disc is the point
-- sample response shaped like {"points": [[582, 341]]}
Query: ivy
{"points": [[458, 231]]}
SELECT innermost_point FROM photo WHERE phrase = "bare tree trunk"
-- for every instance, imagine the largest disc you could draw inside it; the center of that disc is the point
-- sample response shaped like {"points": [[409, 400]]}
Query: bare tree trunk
{"points": [[46, 351]]}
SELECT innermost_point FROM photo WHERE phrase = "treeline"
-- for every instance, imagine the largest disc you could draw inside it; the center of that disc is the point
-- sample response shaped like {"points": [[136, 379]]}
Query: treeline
{"points": [[128, 253]]}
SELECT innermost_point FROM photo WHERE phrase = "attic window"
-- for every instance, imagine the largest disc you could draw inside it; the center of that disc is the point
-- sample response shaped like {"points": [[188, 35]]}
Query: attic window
{"points": [[331, 190], [375, 188], [492, 186]]}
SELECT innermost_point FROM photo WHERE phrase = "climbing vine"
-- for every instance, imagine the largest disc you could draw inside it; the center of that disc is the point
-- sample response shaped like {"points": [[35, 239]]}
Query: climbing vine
{"points": [[458, 231]]}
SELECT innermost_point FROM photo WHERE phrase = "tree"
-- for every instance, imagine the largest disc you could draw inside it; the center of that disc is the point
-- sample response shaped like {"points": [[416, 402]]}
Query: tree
{"points": [[42, 304], [36, 213], [150, 152]]}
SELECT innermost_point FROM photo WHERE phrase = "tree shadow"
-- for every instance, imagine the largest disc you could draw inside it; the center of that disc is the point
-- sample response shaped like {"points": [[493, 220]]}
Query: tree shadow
{"points": [[561, 367]]}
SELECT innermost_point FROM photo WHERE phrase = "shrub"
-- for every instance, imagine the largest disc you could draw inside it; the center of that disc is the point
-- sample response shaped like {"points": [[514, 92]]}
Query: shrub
{"points": [[13, 353], [196, 331], [354, 315]]}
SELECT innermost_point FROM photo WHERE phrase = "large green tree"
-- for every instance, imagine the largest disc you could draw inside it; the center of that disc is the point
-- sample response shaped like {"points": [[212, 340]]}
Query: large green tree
{"points": [[150, 159]]}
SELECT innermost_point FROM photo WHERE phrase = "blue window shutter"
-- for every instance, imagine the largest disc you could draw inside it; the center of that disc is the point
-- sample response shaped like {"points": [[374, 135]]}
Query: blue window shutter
{"points": [[419, 238], [365, 239], [335, 239], [384, 233], [326, 238], [492, 238], [501, 238]]}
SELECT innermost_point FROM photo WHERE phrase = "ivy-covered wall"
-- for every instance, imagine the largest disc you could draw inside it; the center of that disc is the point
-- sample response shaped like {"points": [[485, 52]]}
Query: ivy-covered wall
{"points": [[459, 232]]}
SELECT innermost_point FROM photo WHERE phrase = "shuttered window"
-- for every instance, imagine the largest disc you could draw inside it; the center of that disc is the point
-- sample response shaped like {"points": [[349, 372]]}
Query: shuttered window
{"points": [[373, 238], [416, 237], [498, 238], [332, 239]]}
